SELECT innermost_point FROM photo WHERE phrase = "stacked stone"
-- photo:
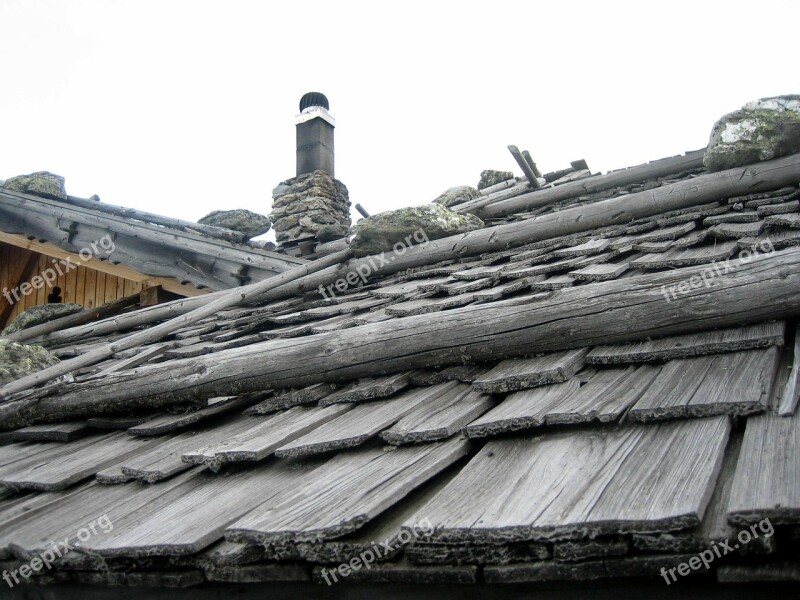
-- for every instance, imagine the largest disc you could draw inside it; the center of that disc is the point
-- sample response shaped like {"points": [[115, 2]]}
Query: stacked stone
{"points": [[310, 205]]}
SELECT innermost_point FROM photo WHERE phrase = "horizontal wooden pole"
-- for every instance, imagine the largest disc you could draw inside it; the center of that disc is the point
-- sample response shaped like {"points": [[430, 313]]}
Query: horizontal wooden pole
{"points": [[535, 199], [616, 211], [153, 334], [766, 287]]}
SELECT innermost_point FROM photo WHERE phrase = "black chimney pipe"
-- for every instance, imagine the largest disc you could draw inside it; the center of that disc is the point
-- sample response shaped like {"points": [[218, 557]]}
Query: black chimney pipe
{"points": [[315, 127]]}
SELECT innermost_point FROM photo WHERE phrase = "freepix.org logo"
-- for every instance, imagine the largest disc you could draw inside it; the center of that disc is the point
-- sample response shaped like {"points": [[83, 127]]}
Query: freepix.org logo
{"points": [[363, 271]]}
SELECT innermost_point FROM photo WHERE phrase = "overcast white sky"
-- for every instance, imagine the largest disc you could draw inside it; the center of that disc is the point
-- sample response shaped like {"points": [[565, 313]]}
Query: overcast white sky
{"points": [[183, 107]]}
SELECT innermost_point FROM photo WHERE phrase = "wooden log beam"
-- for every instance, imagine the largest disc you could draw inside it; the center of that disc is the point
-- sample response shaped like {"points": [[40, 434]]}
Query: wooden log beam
{"points": [[657, 168], [229, 299], [87, 316], [529, 159], [143, 244], [526, 168], [765, 288], [760, 177], [131, 213]]}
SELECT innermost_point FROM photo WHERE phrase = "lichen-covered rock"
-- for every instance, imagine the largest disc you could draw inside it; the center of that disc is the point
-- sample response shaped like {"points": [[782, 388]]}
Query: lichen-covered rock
{"points": [[41, 314], [41, 183], [388, 231], [761, 130], [19, 360], [490, 178], [249, 223], [457, 195]]}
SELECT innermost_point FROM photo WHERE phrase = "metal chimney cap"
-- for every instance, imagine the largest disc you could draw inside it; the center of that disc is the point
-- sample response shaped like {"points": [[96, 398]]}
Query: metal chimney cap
{"points": [[312, 99]]}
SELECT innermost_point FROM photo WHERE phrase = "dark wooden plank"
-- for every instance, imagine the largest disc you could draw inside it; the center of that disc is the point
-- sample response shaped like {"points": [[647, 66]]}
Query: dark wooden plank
{"points": [[585, 249], [401, 573], [57, 466], [686, 257], [737, 383], [441, 416], [517, 374], [265, 436], [176, 422], [346, 493], [766, 484], [749, 337], [290, 398], [369, 389], [590, 396], [56, 432], [353, 428], [781, 571], [601, 272], [583, 484]]}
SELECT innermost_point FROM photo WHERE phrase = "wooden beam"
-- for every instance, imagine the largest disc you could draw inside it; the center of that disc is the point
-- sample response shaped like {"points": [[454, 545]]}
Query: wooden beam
{"points": [[229, 299], [158, 251], [652, 170], [103, 266], [131, 213], [765, 288], [529, 159], [526, 168], [763, 176], [18, 273], [75, 320]]}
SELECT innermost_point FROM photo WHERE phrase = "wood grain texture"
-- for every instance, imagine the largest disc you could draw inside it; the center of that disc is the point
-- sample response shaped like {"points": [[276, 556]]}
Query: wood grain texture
{"points": [[56, 466], [266, 435], [176, 422], [346, 493], [686, 257], [767, 480], [610, 312], [749, 337], [55, 432], [517, 374], [737, 383], [365, 421], [444, 414], [589, 396], [369, 389], [584, 483]]}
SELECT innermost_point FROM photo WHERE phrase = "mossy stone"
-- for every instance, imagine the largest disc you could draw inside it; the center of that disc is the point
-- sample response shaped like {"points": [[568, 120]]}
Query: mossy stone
{"points": [[409, 226], [41, 183], [19, 360], [761, 130]]}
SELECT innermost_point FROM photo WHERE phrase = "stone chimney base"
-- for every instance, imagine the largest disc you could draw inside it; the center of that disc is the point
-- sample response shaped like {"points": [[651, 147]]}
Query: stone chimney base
{"points": [[310, 206]]}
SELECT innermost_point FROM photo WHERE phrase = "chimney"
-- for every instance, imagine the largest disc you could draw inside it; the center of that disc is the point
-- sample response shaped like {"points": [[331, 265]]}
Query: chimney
{"points": [[315, 127], [312, 207]]}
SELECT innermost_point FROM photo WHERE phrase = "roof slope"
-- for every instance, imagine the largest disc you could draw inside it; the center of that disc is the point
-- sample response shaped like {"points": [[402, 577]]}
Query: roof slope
{"points": [[594, 391], [204, 256]]}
